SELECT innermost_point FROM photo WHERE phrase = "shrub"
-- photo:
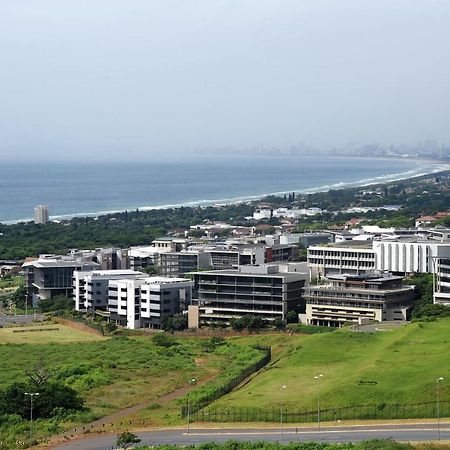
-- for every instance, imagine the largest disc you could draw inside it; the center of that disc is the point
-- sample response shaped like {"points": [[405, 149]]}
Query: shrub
{"points": [[164, 340]]}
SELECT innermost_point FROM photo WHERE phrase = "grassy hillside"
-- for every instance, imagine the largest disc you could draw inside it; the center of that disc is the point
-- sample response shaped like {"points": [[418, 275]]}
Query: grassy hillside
{"points": [[397, 366], [110, 373]]}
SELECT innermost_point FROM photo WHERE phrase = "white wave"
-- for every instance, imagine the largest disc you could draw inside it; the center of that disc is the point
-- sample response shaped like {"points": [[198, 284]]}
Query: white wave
{"points": [[412, 173]]}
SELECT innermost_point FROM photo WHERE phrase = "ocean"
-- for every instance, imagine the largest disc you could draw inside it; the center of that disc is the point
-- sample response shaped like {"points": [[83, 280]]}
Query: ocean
{"points": [[78, 189]]}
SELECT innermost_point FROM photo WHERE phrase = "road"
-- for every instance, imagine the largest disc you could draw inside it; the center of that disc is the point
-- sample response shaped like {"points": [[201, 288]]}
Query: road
{"points": [[405, 432], [6, 319]]}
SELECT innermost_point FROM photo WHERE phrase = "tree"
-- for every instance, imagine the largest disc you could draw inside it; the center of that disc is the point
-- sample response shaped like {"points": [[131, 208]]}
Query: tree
{"points": [[53, 398], [40, 373], [177, 322], [127, 439], [57, 303]]}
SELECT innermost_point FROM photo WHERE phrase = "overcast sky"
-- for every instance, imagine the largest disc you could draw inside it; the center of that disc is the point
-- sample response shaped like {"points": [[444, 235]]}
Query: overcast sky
{"points": [[135, 78]]}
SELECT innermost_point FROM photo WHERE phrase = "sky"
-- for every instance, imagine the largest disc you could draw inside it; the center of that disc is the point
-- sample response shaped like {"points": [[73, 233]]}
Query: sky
{"points": [[136, 79]]}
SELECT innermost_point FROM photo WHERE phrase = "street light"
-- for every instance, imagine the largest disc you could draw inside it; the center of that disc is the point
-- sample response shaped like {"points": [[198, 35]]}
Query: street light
{"points": [[31, 394], [191, 381], [281, 412], [438, 406], [318, 377]]}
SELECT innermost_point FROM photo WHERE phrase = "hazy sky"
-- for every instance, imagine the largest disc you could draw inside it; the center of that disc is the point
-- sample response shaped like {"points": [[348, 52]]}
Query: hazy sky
{"points": [[132, 78]]}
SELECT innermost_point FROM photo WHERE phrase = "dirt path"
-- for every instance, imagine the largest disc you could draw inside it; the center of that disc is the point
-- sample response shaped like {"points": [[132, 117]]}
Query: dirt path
{"points": [[102, 424]]}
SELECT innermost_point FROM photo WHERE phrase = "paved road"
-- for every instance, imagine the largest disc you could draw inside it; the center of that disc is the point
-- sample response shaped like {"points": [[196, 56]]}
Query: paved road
{"points": [[6, 319], [407, 432]]}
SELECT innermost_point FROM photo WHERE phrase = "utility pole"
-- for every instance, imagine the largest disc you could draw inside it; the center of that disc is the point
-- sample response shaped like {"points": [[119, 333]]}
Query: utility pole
{"points": [[31, 394], [318, 377]]}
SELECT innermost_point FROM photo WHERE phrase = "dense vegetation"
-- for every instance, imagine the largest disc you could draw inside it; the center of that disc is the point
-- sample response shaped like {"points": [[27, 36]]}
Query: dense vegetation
{"points": [[82, 380], [120, 230], [426, 195]]}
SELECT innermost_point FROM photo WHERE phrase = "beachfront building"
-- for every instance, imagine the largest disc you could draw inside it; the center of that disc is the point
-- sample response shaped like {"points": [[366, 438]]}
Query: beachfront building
{"points": [[357, 298], [41, 214], [268, 290]]}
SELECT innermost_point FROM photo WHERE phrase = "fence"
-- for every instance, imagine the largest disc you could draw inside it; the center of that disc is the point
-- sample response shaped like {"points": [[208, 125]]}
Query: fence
{"points": [[78, 323], [229, 385], [349, 412]]}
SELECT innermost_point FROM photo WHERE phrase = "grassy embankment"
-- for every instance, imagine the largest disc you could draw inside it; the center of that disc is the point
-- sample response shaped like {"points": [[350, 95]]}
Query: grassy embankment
{"points": [[110, 373], [399, 366]]}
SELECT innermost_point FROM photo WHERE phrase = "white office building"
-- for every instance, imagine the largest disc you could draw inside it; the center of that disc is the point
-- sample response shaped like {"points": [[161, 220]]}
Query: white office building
{"points": [[90, 288], [146, 302]]}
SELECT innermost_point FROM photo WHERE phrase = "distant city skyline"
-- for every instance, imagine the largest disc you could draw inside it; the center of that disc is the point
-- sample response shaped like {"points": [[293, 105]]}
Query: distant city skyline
{"points": [[117, 80]]}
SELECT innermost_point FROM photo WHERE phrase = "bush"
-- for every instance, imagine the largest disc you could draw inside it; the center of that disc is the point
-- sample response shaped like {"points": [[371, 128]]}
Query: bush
{"points": [[53, 397], [58, 303], [248, 322], [164, 340]]}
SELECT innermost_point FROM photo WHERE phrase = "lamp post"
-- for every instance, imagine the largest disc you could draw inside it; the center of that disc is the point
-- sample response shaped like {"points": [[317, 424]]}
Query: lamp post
{"points": [[31, 394], [191, 381], [438, 407], [281, 413], [318, 377]]}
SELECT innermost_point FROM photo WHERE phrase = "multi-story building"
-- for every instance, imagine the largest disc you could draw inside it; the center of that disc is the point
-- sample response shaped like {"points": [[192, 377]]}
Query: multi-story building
{"points": [[50, 275], [143, 257], [90, 289], [357, 298], [229, 257], [441, 284], [178, 264], [282, 252], [268, 290], [409, 254], [41, 214], [146, 302], [354, 257], [107, 258]]}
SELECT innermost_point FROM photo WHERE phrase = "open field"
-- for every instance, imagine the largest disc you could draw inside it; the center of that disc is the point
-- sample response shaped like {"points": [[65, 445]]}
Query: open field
{"points": [[60, 334], [114, 373], [399, 366]]}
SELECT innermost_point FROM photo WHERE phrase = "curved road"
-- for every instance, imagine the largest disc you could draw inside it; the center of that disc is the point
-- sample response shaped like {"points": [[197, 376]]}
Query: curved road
{"points": [[405, 432]]}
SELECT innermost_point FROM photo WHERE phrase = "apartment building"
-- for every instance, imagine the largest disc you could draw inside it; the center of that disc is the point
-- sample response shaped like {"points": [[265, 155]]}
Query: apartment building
{"points": [[357, 298], [41, 214], [268, 290]]}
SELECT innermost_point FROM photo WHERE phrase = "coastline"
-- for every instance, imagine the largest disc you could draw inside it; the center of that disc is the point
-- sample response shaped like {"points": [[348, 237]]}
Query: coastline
{"points": [[439, 167]]}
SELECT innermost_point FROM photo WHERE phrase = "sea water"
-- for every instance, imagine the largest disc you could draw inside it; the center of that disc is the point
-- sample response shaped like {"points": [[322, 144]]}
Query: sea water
{"points": [[73, 189]]}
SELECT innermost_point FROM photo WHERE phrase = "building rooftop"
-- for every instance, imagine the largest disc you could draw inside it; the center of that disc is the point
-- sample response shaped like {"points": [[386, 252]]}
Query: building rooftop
{"points": [[48, 263]]}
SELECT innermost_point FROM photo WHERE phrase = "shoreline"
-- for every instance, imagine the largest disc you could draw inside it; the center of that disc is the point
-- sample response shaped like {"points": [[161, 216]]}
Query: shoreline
{"points": [[440, 167]]}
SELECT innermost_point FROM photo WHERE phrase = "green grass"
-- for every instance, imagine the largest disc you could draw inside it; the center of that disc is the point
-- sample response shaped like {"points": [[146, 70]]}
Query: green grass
{"points": [[52, 333], [12, 281], [404, 364], [111, 373]]}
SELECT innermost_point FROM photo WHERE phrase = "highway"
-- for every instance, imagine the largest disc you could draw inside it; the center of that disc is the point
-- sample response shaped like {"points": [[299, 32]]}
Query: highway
{"points": [[404, 432]]}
